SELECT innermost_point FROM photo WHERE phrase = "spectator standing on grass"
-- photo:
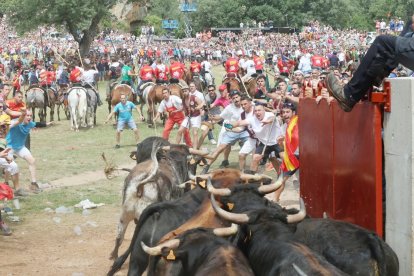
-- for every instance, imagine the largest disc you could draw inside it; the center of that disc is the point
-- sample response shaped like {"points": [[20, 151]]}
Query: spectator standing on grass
{"points": [[16, 139], [124, 110]]}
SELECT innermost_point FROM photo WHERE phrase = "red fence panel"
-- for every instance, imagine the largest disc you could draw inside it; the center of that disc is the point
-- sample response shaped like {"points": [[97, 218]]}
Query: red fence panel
{"points": [[341, 162]]}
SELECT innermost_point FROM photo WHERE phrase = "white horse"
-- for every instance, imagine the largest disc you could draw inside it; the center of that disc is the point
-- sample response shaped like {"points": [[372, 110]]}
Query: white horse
{"points": [[77, 103]]}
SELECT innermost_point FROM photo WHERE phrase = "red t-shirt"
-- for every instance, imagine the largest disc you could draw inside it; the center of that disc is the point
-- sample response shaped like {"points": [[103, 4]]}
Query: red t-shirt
{"points": [[146, 73], [232, 65]]}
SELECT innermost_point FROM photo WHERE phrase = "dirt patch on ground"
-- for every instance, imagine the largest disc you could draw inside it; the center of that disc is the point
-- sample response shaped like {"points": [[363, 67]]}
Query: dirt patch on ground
{"points": [[76, 245]]}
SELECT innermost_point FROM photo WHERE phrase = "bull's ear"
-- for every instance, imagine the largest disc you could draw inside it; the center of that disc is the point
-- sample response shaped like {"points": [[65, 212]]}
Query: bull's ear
{"points": [[168, 254], [133, 155], [201, 182]]}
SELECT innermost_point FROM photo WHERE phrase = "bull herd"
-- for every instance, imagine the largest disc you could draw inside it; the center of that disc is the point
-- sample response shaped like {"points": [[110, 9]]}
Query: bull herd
{"points": [[221, 224]]}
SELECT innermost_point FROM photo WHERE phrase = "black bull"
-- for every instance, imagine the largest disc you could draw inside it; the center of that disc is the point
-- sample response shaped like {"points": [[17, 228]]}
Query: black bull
{"points": [[350, 248], [202, 251], [157, 220]]}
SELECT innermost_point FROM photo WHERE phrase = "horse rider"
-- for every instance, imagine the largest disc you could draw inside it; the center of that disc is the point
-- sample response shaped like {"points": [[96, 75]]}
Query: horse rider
{"points": [[63, 78], [47, 78], [258, 63], [231, 65], [206, 71], [249, 67], [88, 79], [114, 73], [177, 71], [75, 75], [195, 67], [146, 74], [161, 72], [33, 77]]}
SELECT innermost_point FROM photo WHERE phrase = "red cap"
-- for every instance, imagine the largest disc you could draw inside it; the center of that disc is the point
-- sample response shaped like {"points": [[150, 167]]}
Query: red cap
{"points": [[222, 87]]}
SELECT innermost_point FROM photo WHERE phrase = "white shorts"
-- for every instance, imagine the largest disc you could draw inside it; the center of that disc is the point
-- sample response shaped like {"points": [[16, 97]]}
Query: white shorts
{"points": [[194, 122], [11, 167], [249, 146], [22, 153]]}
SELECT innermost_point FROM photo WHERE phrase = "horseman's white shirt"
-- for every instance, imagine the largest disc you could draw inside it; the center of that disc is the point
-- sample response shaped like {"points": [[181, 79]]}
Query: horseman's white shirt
{"points": [[173, 101], [207, 66], [89, 76], [249, 66]]}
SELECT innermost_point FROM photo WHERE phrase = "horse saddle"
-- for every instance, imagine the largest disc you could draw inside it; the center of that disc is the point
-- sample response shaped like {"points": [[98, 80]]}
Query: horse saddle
{"points": [[145, 85]]}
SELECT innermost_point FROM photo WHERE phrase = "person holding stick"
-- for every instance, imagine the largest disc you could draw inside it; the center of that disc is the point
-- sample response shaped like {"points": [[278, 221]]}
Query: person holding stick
{"points": [[268, 132]]}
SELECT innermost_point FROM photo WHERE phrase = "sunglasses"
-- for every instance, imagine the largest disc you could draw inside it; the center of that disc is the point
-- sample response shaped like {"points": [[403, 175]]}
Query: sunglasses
{"points": [[210, 90]]}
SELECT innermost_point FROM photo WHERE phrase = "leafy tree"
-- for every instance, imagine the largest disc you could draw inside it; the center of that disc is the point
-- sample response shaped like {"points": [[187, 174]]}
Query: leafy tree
{"points": [[80, 17]]}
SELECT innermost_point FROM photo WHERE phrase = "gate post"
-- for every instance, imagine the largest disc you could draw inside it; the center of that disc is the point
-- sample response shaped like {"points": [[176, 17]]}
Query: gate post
{"points": [[399, 172]]}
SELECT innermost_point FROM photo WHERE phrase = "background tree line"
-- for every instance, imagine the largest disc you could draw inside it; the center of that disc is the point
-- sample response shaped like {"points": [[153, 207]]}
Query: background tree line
{"points": [[83, 18]]}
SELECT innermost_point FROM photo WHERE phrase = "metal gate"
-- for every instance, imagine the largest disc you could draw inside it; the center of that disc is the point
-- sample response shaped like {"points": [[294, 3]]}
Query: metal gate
{"points": [[341, 162]]}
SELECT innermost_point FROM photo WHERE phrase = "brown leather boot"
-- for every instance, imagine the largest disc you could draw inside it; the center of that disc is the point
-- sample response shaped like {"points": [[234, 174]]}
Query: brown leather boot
{"points": [[337, 91]]}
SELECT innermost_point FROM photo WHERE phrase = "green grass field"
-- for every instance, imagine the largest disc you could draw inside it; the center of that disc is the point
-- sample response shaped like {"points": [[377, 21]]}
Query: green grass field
{"points": [[61, 152]]}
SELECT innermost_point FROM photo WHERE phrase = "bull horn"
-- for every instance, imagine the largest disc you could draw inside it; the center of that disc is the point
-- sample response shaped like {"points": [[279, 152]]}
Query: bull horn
{"points": [[183, 185], [300, 215], [157, 250], [198, 152], [202, 176], [216, 191], [226, 231], [255, 177], [266, 189], [235, 218], [166, 148]]}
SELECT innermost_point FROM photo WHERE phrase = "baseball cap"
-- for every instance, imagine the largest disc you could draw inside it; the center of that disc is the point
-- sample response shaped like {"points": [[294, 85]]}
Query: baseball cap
{"points": [[234, 93], [222, 87], [184, 86]]}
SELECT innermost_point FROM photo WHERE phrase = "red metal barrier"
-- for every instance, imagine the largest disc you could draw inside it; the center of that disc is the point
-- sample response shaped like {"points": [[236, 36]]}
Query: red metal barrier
{"points": [[341, 162]]}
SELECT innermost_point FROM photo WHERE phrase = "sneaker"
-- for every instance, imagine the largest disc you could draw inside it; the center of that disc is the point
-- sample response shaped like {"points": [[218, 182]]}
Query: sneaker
{"points": [[117, 146], [21, 192], [224, 164], [5, 230], [213, 142], [337, 91], [34, 187], [205, 169]]}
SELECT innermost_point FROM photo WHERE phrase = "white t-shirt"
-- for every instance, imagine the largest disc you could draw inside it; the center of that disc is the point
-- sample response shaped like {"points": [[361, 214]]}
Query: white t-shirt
{"points": [[172, 101], [207, 66], [262, 132], [89, 76], [231, 113], [198, 95], [249, 66]]}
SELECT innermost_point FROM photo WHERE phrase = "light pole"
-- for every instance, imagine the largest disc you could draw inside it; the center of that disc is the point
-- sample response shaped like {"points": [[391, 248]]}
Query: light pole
{"points": [[287, 23]]}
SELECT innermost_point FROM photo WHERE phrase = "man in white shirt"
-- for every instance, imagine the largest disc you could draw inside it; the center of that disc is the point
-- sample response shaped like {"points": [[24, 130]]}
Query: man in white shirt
{"points": [[250, 69], [193, 105], [173, 105], [206, 69], [88, 79], [268, 132], [232, 112]]}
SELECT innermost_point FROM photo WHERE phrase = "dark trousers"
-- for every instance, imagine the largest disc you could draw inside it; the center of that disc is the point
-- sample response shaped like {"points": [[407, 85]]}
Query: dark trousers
{"points": [[385, 53], [376, 65]]}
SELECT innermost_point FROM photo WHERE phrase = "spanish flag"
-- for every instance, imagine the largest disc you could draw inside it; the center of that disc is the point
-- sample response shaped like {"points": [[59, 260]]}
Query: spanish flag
{"points": [[291, 144]]}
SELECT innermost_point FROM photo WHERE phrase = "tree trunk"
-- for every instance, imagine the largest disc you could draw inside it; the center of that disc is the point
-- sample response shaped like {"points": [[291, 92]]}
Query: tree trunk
{"points": [[89, 35]]}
